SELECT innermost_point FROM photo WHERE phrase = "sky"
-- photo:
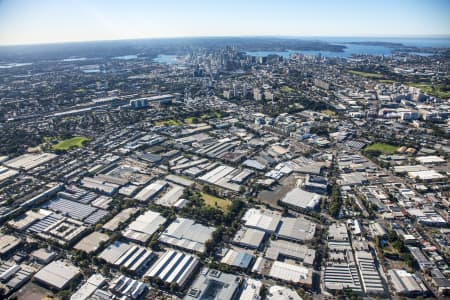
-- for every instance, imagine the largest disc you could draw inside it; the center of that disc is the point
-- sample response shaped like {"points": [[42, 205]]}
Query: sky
{"points": [[55, 21]]}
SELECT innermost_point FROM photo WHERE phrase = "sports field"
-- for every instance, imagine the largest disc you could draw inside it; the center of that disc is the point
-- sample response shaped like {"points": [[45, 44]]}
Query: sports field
{"points": [[381, 147], [71, 143]]}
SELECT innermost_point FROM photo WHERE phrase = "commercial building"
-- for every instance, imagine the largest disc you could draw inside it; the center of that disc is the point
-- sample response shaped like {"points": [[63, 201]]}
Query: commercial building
{"points": [[370, 278], [13, 276], [338, 232], [132, 257], [301, 199], [430, 160], [179, 180], [121, 217], [341, 271], [226, 177], [171, 197], [423, 262], [249, 238], [406, 284], [29, 161], [127, 288], [341, 275], [43, 256], [353, 179], [187, 234], [142, 229], [280, 250], [89, 289], [147, 101], [427, 176], [237, 259], [91, 242], [264, 220], [99, 185], [55, 227], [296, 229], [151, 190], [57, 275], [315, 184], [6, 173], [173, 266], [291, 273], [440, 282], [8, 243], [277, 292], [250, 289], [76, 210], [213, 284]]}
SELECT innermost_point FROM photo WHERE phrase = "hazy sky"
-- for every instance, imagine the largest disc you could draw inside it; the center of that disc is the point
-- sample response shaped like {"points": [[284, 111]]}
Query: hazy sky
{"points": [[44, 21]]}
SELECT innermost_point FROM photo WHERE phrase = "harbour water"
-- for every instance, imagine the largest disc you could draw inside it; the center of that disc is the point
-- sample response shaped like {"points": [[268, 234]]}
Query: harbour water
{"points": [[166, 58], [354, 46]]}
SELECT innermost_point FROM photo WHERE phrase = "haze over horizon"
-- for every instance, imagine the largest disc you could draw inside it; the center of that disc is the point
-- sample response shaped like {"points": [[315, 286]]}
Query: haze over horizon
{"points": [[51, 21]]}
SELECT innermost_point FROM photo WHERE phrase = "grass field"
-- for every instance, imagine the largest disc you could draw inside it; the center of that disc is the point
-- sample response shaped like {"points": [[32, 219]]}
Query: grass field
{"points": [[203, 117], [366, 75], [189, 120], [383, 148], [71, 143], [328, 112], [286, 89], [440, 91], [214, 201], [386, 81], [170, 122], [211, 115]]}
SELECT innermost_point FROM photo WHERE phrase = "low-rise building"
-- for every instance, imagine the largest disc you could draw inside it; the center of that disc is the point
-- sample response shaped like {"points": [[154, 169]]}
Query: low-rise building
{"points": [[296, 229], [57, 275], [213, 284], [406, 284], [249, 238], [187, 234], [173, 267]]}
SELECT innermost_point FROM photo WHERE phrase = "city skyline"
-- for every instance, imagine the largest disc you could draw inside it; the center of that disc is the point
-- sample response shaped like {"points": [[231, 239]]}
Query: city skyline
{"points": [[31, 22]]}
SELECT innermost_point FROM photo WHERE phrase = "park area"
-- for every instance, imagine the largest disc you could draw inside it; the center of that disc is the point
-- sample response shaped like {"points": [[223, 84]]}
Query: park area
{"points": [[366, 74], [170, 122], [71, 143], [382, 148], [216, 202]]}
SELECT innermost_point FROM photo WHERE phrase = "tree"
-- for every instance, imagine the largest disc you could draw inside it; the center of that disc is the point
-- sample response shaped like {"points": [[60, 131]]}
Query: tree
{"points": [[335, 201], [65, 295], [209, 246], [174, 287], [263, 291]]}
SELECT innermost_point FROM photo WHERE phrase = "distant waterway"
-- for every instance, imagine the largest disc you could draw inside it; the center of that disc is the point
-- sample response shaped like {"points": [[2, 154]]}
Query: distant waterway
{"points": [[356, 46], [126, 57], [74, 59], [351, 49], [14, 65], [438, 42], [167, 59]]}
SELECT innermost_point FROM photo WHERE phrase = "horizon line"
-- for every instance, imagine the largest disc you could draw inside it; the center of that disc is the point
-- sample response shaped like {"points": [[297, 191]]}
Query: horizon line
{"points": [[405, 36]]}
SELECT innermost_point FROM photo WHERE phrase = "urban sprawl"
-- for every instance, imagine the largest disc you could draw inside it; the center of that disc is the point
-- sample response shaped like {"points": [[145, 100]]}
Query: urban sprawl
{"points": [[209, 173]]}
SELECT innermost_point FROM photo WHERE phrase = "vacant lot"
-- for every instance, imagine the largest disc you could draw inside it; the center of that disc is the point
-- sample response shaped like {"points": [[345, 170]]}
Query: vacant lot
{"points": [[214, 201], [383, 148], [278, 192], [71, 143]]}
